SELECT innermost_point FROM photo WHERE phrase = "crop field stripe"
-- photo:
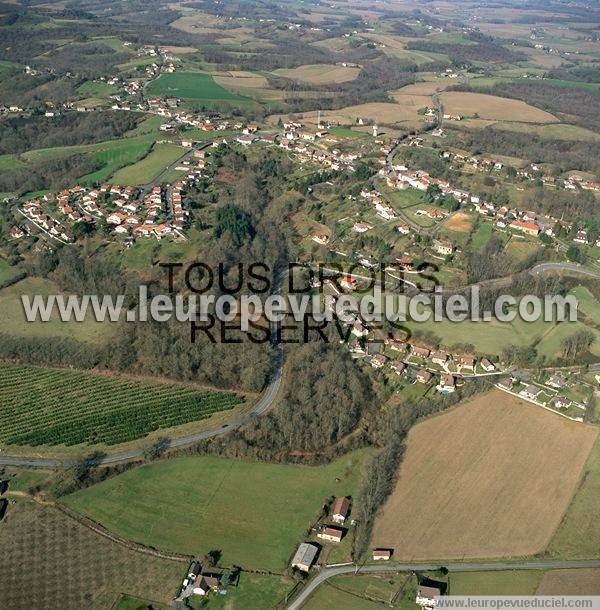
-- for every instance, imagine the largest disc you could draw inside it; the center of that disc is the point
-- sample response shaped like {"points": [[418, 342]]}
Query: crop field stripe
{"points": [[71, 407]]}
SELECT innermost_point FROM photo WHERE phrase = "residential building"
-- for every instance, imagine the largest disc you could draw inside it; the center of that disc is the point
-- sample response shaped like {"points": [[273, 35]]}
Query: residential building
{"points": [[331, 534], [341, 508], [426, 597], [440, 357], [424, 376], [487, 366], [205, 584], [381, 554]]}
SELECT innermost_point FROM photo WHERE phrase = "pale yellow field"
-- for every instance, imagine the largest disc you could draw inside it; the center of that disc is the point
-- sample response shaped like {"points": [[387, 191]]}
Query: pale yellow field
{"points": [[460, 223], [570, 582], [491, 478], [319, 74], [382, 113], [422, 88], [493, 107], [240, 79]]}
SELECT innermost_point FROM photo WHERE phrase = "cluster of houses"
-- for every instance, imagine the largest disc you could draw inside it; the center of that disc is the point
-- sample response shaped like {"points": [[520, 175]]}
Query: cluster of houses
{"points": [[35, 213], [295, 139], [128, 210], [382, 208], [421, 363], [158, 214], [526, 222], [549, 393]]}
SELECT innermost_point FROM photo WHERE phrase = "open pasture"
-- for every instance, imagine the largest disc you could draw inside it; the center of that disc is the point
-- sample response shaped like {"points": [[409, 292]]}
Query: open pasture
{"points": [[145, 170], [493, 107], [14, 322], [190, 85], [67, 407], [490, 478], [255, 513]]}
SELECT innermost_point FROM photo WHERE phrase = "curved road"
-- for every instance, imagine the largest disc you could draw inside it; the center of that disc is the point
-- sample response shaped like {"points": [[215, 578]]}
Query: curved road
{"points": [[265, 401], [327, 573], [268, 396]]}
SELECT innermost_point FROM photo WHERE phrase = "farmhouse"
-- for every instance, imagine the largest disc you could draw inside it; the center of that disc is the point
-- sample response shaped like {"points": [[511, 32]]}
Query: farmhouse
{"points": [[381, 554], [426, 596], [341, 508], [205, 584], [305, 556], [487, 366], [331, 534]]}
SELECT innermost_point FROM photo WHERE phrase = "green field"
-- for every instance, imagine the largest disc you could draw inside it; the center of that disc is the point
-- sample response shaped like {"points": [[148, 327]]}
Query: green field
{"points": [[7, 272], [327, 596], [73, 407], [97, 89], [14, 322], [49, 560], [255, 513], [190, 85], [511, 582], [493, 336], [144, 171], [578, 535], [254, 591]]}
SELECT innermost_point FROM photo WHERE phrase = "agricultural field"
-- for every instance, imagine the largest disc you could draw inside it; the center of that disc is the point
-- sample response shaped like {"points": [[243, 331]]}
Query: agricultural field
{"points": [[239, 78], [382, 113], [255, 513], [493, 107], [190, 86], [73, 407], [328, 596], [319, 74], [15, 323], [49, 560], [570, 582], [468, 472], [509, 582], [145, 171], [578, 536]]}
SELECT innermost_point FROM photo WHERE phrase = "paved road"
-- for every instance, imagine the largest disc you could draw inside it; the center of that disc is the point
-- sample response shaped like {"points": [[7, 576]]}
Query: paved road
{"points": [[542, 267], [327, 573], [265, 401]]}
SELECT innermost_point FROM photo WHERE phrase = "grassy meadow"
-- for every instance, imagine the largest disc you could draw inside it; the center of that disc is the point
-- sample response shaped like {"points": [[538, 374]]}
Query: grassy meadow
{"points": [[148, 168], [254, 513], [14, 322]]}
